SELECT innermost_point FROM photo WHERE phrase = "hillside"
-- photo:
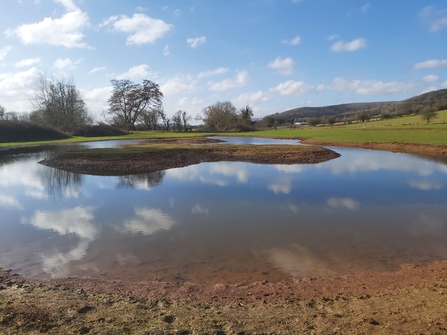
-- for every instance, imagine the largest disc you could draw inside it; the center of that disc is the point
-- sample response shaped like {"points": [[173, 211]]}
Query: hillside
{"points": [[12, 131], [435, 99]]}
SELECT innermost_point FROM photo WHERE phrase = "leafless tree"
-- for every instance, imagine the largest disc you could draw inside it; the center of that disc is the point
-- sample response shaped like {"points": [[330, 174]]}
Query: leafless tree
{"points": [[129, 101], [177, 121], [221, 115], [59, 104], [2, 112], [185, 118], [165, 119], [150, 119]]}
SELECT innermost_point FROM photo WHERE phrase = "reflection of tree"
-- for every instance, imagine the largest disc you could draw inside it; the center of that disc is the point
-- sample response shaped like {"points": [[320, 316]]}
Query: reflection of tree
{"points": [[148, 180], [59, 182]]}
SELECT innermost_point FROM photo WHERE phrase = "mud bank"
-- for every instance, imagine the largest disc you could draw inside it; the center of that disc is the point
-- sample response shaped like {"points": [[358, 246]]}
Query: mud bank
{"points": [[159, 155], [410, 301]]}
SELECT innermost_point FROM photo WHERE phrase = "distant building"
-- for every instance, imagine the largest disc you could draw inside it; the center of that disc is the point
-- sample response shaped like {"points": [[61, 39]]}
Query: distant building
{"points": [[300, 123]]}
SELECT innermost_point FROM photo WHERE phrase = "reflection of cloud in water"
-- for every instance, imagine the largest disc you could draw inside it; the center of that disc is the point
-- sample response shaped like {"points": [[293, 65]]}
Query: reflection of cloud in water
{"points": [[293, 208], [147, 221], [212, 181], [231, 169], [347, 203], [197, 209], [282, 185], [426, 225], [9, 201], [78, 221], [295, 168], [426, 185], [297, 260], [37, 194], [363, 161]]}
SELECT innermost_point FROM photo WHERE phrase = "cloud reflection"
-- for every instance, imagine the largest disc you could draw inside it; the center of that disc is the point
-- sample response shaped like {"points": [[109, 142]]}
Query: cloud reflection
{"points": [[426, 185], [77, 221], [282, 185], [9, 201], [346, 203], [148, 221], [197, 209]]}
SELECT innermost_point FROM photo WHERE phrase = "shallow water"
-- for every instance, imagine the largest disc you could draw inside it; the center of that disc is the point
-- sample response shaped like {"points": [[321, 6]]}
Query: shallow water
{"points": [[224, 222]]}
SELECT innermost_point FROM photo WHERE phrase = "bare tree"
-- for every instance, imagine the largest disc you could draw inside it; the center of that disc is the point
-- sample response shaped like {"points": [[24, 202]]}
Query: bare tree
{"points": [[150, 119], [59, 104], [129, 101], [2, 112], [164, 118], [246, 114], [177, 121], [185, 118]]}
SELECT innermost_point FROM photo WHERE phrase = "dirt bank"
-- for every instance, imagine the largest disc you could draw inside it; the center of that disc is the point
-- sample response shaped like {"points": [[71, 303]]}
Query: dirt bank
{"points": [[159, 155], [410, 301], [421, 149]]}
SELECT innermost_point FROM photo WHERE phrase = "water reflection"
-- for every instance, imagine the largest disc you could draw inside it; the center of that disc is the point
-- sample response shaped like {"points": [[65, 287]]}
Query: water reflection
{"points": [[224, 221], [141, 181]]}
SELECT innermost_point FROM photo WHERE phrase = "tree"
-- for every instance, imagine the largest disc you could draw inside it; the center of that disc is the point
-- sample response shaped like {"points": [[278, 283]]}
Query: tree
{"points": [[177, 121], [59, 104], [363, 116], [129, 101], [331, 120], [428, 113], [269, 122], [185, 118], [313, 122], [164, 118], [150, 119], [2, 112], [220, 116], [246, 114]]}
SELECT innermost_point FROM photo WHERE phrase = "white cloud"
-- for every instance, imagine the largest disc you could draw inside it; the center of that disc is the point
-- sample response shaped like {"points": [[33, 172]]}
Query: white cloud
{"points": [[346, 203], [210, 73], [98, 69], [141, 28], [65, 31], [371, 87], [349, 46], [292, 87], [252, 98], [333, 37], [178, 85], [62, 63], [166, 51], [432, 63], [228, 84], [27, 62], [16, 88], [295, 41], [195, 42], [177, 13], [284, 66], [4, 51], [365, 7], [430, 78], [436, 19], [137, 72], [97, 98], [185, 101]]}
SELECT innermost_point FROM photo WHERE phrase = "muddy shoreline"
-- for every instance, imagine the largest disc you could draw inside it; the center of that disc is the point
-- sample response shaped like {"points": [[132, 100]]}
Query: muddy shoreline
{"points": [[157, 155], [410, 301]]}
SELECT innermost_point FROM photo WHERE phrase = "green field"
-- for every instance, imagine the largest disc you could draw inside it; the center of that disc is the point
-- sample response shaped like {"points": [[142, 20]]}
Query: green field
{"points": [[409, 129]]}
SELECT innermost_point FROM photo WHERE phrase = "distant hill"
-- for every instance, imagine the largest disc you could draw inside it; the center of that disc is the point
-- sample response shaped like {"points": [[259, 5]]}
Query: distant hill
{"points": [[435, 99]]}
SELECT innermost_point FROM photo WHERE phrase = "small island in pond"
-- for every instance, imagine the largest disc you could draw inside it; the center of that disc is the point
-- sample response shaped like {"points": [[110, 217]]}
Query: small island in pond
{"points": [[156, 155]]}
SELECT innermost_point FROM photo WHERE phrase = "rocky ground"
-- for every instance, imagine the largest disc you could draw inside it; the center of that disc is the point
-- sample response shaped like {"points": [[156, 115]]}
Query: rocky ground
{"points": [[410, 301]]}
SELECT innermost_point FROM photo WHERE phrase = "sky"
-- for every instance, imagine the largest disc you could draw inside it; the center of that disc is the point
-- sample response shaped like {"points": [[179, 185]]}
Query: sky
{"points": [[272, 55]]}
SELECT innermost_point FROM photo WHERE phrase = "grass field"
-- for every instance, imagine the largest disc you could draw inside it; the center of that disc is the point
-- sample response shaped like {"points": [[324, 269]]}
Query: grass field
{"points": [[409, 129]]}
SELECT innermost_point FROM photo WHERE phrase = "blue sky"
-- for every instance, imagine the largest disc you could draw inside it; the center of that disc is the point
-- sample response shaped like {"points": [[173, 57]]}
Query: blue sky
{"points": [[270, 54]]}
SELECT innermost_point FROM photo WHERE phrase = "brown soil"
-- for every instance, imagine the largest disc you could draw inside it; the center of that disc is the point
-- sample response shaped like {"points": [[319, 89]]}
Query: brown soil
{"points": [[410, 301], [159, 155], [421, 149]]}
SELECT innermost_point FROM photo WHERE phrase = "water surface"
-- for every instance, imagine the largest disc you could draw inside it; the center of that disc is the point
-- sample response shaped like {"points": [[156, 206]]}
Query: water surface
{"points": [[224, 222]]}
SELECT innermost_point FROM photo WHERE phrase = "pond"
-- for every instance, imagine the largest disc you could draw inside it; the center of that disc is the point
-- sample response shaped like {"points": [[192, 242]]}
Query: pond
{"points": [[223, 222]]}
